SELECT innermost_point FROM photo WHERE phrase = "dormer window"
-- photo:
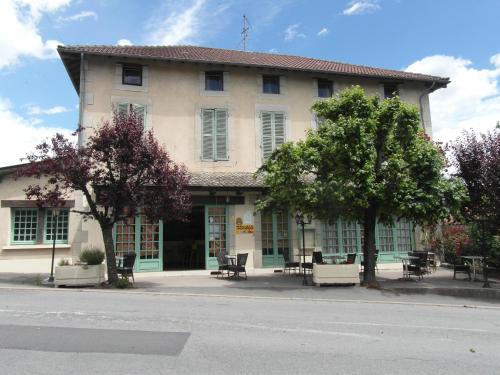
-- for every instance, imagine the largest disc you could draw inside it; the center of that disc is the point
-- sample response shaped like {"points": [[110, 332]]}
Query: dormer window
{"points": [[132, 75], [271, 84], [325, 88], [390, 90], [214, 81]]}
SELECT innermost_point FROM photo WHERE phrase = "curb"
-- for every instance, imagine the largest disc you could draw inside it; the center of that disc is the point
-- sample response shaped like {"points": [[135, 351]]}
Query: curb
{"points": [[476, 293]]}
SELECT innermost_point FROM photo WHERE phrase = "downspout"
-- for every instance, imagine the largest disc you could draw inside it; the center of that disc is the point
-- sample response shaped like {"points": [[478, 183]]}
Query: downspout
{"points": [[425, 92], [82, 99]]}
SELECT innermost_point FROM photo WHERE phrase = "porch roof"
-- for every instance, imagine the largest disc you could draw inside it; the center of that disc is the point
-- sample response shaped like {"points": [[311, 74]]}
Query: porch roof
{"points": [[225, 181]]}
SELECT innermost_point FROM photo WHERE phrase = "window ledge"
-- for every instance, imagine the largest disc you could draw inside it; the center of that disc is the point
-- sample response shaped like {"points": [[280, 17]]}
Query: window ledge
{"points": [[33, 247]]}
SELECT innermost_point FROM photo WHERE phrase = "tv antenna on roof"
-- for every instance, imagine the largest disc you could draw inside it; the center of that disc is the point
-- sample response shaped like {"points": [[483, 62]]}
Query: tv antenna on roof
{"points": [[244, 32]]}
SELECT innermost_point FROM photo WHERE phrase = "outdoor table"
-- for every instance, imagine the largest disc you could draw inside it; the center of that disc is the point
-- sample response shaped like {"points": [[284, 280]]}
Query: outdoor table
{"points": [[232, 261], [119, 261], [473, 258], [405, 259], [434, 259]]}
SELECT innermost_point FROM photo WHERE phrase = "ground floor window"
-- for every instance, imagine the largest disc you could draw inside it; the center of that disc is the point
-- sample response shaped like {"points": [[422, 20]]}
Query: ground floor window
{"points": [[275, 230], [345, 236], [39, 225]]}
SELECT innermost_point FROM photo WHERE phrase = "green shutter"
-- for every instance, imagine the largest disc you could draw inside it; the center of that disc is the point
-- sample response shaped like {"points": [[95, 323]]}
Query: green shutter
{"points": [[207, 123], [123, 108], [267, 134], [279, 129], [140, 112], [221, 134]]}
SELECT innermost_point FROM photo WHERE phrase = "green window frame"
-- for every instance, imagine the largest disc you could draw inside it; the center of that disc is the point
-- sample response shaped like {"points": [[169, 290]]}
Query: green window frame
{"points": [[273, 131], [139, 110], [62, 226], [24, 225], [331, 243]]}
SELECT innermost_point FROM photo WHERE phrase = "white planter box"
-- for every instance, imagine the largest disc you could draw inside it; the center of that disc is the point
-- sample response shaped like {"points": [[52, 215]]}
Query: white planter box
{"points": [[79, 275], [335, 274]]}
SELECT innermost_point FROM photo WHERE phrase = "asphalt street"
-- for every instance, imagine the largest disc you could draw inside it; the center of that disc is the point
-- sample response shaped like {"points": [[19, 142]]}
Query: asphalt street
{"points": [[102, 332]]}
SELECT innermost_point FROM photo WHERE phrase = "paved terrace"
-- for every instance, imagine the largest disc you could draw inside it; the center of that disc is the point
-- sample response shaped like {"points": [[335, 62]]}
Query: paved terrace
{"points": [[265, 283]]}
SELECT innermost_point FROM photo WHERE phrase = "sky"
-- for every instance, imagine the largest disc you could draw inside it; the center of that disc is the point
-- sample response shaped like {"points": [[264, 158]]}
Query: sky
{"points": [[451, 38]]}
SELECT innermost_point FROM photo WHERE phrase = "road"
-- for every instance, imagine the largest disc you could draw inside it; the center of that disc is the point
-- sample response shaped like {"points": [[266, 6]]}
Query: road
{"points": [[74, 332]]}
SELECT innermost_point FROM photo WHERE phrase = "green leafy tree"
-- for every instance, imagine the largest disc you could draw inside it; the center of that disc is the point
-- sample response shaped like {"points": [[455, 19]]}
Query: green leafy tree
{"points": [[369, 160]]}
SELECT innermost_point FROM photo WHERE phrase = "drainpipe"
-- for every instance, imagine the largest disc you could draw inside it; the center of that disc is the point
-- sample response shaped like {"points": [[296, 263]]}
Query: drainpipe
{"points": [[425, 92], [82, 98]]}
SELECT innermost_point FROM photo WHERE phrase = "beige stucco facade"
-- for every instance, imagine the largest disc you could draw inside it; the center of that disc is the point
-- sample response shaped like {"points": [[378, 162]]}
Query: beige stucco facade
{"points": [[174, 95]]}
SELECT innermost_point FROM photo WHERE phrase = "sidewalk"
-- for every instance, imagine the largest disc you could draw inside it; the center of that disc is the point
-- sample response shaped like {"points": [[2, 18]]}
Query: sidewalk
{"points": [[265, 283]]}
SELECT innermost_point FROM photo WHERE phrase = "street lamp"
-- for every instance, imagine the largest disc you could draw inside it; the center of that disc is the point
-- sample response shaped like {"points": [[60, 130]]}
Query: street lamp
{"points": [[299, 219], [55, 216]]}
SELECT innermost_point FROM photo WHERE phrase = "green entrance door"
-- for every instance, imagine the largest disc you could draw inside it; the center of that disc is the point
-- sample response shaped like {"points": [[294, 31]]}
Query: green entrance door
{"points": [[215, 234], [275, 239], [140, 235]]}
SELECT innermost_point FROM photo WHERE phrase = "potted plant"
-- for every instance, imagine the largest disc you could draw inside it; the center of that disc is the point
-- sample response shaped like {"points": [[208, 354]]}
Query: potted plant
{"points": [[88, 271]]}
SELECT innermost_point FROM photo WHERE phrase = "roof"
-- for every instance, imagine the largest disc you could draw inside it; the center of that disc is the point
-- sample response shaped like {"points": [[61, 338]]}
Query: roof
{"points": [[225, 180], [71, 58]]}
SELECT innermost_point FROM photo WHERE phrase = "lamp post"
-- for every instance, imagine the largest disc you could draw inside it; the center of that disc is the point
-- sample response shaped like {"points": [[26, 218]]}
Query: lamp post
{"points": [[55, 216], [299, 219]]}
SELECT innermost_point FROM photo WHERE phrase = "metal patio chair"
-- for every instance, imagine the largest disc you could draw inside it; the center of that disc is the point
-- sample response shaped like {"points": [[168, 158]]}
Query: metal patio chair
{"points": [[223, 264], [239, 267], [288, 263], [126, 269]]}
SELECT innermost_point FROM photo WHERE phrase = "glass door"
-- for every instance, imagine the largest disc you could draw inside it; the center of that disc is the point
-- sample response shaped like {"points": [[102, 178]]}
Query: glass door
{"points": [[275, 238], [144, 237], [215, 234]]}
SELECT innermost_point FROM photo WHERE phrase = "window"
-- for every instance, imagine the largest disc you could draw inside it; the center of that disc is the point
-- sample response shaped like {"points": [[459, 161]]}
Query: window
{"points": [[390, 90], [37, 226], [330, 238], [349, 237], [273, 132], [214, 81], [325, 88], [24, 225], [270, 84], [129, 108], [385, 238], [319, 121], [132, 75], [403, 233], [57, 226], [214, 134]]}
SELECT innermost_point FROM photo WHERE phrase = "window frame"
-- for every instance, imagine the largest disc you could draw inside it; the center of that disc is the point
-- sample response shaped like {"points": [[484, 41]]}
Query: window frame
{"points": [[393, 93], [217, 73], [46, 214], [330, 87], [13, 212], [274, 145], [271, 77], [136, 67]]}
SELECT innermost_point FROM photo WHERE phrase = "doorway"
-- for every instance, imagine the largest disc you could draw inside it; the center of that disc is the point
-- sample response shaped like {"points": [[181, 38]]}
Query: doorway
{"points": [[184, 242]]}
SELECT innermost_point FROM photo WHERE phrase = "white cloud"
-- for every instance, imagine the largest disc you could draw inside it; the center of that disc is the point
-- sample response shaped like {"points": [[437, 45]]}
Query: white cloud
{"points": [[19, 34], [124, 42], [78, 17], [323, 32], [180, 26], [361, 7], [273, 50], [471, 100], [19, 135], [292, 32], [36, 110]]}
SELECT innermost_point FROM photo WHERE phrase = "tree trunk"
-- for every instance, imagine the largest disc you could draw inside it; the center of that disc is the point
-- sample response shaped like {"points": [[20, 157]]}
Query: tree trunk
{"points": [[369, 278], [109, 247]]}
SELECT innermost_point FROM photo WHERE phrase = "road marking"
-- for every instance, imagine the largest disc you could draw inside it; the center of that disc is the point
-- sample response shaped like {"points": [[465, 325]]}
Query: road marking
{"points": [[239, 296], [367, 324]]}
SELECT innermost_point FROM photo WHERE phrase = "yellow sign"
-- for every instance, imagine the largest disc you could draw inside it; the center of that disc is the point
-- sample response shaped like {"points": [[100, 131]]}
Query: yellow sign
{"points": [[245, 228]]}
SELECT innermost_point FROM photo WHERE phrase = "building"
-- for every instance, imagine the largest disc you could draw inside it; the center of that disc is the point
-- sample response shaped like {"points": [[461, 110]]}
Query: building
{"points": [[221, 113]]}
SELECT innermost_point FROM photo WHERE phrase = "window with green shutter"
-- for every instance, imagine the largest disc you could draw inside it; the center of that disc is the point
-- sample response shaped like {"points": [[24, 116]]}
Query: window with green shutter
{"points": [[128, 108], [214, 134], [57, 226], [273, 131], [24, 225]]}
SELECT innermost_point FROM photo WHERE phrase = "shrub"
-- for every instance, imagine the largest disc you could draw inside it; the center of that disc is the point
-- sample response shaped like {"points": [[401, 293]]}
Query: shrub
{"points": [[122, 283], [92, 256], [63, 262]]}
